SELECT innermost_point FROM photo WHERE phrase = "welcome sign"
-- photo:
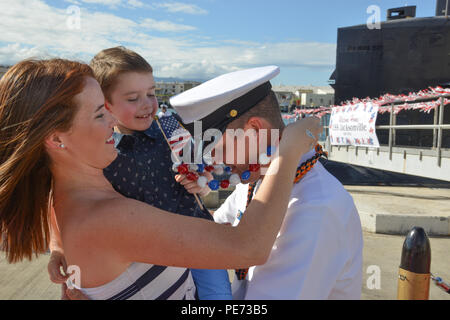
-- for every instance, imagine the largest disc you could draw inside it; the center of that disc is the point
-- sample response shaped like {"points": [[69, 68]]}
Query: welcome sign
{"points": [[354, 125]]}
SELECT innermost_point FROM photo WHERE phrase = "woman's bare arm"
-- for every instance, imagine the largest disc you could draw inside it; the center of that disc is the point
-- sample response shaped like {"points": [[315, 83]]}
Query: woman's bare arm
{"points": [[137, 232]]}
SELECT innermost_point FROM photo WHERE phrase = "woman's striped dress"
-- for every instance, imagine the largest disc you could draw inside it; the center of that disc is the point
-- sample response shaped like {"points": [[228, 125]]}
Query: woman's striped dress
{"points": [[143, 281]]}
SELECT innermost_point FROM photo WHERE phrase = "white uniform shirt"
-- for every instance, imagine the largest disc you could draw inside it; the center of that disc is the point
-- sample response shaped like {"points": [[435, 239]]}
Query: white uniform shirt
{"points": [[318, 251]]}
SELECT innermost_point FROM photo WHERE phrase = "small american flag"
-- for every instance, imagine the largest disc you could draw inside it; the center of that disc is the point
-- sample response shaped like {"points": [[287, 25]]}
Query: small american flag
{"points": [[178, 136]]}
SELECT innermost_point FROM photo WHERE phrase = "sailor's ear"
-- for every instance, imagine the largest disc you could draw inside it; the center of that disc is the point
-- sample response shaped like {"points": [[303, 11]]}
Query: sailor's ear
{"points": [[255, 123]]}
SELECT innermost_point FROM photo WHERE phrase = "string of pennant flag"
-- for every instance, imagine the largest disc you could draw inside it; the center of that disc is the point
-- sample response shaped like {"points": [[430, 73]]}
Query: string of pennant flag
{"points": [[384, 103]]}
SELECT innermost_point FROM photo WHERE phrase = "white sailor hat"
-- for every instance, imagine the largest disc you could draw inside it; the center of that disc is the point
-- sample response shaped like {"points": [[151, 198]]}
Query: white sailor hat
{"points": [[219, 101]]}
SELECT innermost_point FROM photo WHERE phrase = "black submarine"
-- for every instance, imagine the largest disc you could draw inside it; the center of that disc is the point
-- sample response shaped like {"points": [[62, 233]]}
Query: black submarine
{"points": [[405, 54]]}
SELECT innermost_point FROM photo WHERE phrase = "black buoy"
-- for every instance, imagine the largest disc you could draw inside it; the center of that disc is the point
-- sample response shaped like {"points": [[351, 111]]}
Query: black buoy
{"points": [[414, 271]]}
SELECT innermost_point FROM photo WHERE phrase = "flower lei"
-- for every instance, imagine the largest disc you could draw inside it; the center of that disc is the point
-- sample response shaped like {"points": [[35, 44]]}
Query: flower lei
{"points": [[192, 171]]}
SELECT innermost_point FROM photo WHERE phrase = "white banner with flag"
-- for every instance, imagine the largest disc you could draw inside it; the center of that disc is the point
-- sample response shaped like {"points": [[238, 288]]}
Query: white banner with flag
{"points": [[354, 125]]}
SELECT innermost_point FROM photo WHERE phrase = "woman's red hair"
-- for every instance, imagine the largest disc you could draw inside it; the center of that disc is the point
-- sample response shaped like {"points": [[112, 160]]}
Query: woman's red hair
{"points": [[36, 99]]}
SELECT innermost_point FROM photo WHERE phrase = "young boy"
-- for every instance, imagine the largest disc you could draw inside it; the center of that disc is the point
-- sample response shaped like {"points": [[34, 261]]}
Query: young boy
{"points": [[143, 168]]}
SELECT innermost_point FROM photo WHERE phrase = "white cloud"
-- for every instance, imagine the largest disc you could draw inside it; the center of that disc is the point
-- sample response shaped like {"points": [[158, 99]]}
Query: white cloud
{"points": [[73, 2], [109, 3], [179, 7], [135, 3], [184, 59], [14, 52], [164, 26], [112, 4], [35, 29]]}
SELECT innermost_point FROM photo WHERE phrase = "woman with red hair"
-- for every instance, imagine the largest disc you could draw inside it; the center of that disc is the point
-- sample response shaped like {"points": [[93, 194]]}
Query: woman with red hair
{"points": [[55, 140]]}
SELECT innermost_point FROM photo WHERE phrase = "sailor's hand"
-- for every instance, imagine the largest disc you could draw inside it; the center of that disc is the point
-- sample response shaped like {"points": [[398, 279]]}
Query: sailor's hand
{"points": [[192, 186], [56, 262]]}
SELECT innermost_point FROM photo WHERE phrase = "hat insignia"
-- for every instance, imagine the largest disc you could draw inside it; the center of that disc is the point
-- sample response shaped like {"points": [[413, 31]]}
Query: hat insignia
{"points": [[233, 113]]}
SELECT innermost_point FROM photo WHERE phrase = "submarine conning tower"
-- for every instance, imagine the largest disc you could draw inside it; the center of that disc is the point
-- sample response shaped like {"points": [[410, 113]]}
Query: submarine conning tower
{"points": [[405, 54]]}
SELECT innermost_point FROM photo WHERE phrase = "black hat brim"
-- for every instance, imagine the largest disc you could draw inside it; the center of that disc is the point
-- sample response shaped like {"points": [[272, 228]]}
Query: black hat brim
{"points": [[223, 116]]}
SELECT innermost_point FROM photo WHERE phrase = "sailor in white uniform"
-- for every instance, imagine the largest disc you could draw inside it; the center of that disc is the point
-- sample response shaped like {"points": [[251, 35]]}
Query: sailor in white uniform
{"points": [[318, 251]]}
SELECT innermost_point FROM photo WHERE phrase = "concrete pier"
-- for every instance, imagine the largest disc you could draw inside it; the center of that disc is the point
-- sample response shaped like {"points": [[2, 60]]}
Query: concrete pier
{"points": [[27, 280], [395, 210]]}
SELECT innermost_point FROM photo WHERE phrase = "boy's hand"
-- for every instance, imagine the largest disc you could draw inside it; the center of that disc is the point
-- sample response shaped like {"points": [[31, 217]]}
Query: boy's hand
{"points": [[192, 186], [57, 260]]}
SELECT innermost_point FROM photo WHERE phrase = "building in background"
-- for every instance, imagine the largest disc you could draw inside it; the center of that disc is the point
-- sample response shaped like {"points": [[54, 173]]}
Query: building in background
{"points": [[291, 97], [305, 97], [165, 90]]}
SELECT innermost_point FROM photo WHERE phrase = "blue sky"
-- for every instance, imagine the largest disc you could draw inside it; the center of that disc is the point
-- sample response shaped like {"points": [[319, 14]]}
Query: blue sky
{"points": [[196, 39]]}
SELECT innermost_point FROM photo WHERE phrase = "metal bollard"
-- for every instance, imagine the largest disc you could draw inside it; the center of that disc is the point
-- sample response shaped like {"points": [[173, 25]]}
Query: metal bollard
{"points": [[414, 272]]}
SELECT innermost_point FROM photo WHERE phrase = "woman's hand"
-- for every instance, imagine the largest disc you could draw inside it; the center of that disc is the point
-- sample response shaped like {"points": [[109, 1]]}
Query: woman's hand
{"points": [[301, 136], [72, 294], [192, 186], [57, 260]]}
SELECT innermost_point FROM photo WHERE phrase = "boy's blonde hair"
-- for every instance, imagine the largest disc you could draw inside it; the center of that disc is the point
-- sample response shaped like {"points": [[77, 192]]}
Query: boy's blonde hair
{"points": [[108, 64]]}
